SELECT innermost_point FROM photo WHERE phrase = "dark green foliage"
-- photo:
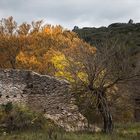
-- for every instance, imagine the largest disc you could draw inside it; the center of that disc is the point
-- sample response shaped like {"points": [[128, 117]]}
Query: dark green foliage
{"points": [[124, 32], [8, 107]]}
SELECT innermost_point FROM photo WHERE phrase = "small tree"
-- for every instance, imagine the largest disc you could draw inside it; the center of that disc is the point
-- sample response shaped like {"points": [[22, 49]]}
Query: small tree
{"points": [[101, 69]]}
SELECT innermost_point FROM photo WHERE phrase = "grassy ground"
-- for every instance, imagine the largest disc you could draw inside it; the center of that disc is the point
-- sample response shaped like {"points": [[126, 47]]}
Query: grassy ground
{"points": [[121, 132]]}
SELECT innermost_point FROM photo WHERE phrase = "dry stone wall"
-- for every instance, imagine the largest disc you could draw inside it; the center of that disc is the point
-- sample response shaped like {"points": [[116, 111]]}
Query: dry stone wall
{"points": [[42, 93]]}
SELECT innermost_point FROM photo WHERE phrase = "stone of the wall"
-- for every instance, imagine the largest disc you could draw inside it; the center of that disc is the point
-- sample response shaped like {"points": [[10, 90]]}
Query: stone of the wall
{"points": [[42, 93]]}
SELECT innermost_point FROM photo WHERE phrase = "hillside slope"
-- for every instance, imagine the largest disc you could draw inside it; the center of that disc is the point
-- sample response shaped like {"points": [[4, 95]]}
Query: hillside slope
{"points": [[125, 32]]}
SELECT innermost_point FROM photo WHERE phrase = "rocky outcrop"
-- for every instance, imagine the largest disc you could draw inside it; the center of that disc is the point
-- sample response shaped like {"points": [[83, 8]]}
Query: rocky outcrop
{"points": [[42, 93]]}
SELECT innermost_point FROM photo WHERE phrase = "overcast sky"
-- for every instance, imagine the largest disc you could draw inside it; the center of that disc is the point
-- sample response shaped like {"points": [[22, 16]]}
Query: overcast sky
{"points": [[69, 13]]}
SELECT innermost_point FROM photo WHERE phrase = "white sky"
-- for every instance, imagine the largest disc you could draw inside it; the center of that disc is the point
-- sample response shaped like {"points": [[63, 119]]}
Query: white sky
{"points": [[69, 13]]}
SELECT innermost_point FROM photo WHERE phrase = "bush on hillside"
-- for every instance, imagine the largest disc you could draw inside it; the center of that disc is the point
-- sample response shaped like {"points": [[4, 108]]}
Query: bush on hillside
{"points": [[15, 117]]}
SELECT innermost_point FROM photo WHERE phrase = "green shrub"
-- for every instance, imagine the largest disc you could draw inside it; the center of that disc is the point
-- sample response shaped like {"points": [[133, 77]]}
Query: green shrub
{"points": [[8, 107], [15, 117]]}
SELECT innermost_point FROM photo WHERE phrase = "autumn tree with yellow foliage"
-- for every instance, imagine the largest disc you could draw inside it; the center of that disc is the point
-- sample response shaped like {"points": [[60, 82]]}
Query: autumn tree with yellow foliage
{"points": [[46, 49]]}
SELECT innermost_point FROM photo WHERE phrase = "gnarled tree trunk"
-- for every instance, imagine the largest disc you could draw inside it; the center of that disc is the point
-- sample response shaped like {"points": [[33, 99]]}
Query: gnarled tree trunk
{"points": [[105, 112]]}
